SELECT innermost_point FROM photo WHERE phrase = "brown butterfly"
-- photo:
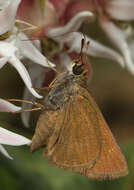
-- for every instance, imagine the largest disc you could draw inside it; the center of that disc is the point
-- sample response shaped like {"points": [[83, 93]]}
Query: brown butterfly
{"points": [[73, 130]]}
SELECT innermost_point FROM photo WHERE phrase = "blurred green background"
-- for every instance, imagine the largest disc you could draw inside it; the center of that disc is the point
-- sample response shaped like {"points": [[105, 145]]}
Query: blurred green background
{"points": [[112, 88]]}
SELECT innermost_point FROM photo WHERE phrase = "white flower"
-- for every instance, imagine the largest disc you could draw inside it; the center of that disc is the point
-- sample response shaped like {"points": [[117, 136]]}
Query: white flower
{"points": [[73, 25], [6, 106], [118, 38], [120, 10], [106, 10], [17, 45], [10, 53], [10, 138], [67, 35], [7, 15]]}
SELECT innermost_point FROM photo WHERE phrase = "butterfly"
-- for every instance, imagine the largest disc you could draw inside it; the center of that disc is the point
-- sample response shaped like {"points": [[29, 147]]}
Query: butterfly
{"points": [[72, 130]]}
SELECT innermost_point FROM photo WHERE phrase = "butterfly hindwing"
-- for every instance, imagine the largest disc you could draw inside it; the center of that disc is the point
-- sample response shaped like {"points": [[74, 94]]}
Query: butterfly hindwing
{"points": [[48, 123]]}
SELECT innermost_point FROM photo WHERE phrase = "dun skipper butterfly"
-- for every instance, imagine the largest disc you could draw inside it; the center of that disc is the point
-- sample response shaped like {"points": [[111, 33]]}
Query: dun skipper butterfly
{"points": [[73, 131]]}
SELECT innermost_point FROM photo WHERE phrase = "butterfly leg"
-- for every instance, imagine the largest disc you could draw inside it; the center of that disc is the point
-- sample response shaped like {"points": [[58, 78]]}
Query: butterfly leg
{"points": [[27, 110], [42, 88], [38, 105]]}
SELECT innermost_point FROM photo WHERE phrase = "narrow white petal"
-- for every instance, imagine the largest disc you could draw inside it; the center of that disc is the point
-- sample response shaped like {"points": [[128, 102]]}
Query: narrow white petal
{"points": [[99, 50], [24, 75], [6, 106], [120, 9], [7, 49], [4, 152], [3, 61], [118, 38], [7, 16], [3, 4], [37, 74], [95, 49], [27, 49], [66, 62], [9, 138], [131, 45], [73, 25]]}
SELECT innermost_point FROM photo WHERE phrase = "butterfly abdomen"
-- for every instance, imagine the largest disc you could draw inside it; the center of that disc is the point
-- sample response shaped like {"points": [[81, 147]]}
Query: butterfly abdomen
{"points": [[43, 131]]}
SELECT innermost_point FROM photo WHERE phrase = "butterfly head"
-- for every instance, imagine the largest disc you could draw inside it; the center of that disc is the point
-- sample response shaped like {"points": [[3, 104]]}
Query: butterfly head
{"points": [[79, 68], [80, 72]]}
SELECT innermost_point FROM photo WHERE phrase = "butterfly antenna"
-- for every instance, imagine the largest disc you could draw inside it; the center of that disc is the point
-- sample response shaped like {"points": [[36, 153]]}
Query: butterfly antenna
{"points": [[82, 46]]}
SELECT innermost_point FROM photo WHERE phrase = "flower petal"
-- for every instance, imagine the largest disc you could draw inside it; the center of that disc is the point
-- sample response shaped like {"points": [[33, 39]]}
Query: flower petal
{"points": [[6, 106], [37, 75], [9, 138], [73, 41], [74, 7], [120, 9], [37, 15], [3, 4], [24, 75], [7, 16], [118, 38], [9, 50], [4, 152], [27, 49], [66, 63], [3, 61], [99, 50], [59, 5], [73, 25], [131, 45]]}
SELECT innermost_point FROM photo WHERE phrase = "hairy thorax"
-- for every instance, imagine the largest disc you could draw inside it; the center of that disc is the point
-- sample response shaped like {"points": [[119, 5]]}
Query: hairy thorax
{"points": [[62, 90]]}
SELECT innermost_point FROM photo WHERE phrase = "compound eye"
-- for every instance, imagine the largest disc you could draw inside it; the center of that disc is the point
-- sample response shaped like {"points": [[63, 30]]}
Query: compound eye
{"points": [[78, 69]]}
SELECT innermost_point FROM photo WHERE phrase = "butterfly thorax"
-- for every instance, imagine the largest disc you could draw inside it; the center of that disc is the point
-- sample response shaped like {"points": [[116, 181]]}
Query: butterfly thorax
{"points": [[63, 89]]}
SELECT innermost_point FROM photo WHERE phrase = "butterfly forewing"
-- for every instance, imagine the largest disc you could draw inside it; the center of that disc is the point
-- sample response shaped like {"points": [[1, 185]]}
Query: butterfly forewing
{"points": [[111, 163], [79, 142], [85, 143]]}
